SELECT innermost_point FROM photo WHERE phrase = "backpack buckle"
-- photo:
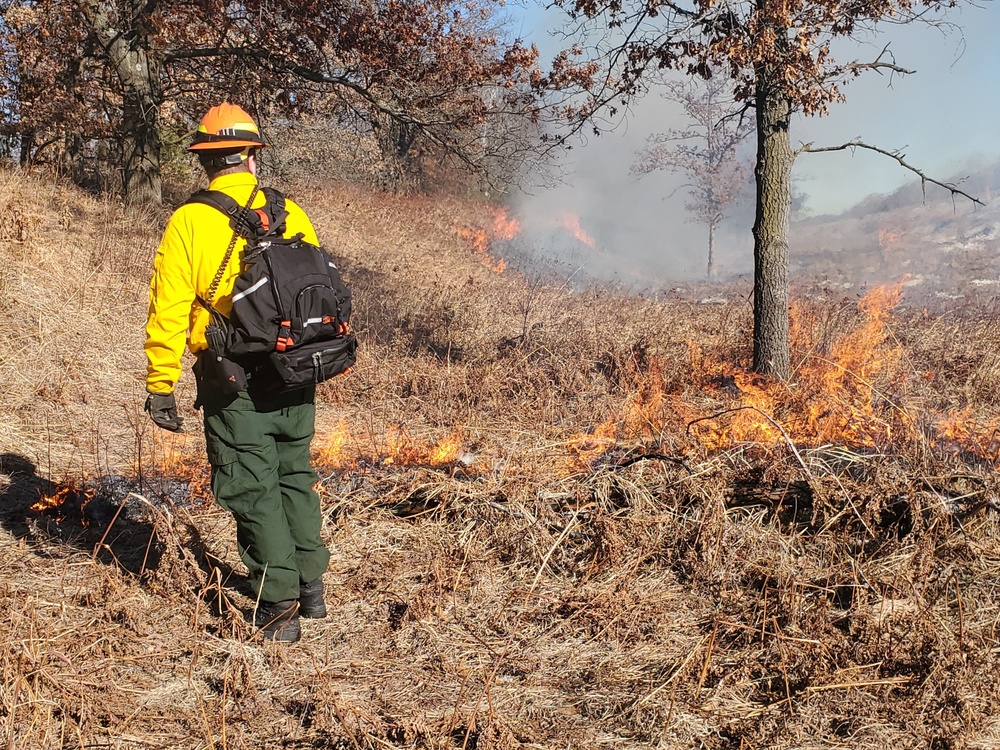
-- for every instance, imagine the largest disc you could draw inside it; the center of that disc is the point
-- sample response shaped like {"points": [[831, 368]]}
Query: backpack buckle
{"points": [[284, 336]]}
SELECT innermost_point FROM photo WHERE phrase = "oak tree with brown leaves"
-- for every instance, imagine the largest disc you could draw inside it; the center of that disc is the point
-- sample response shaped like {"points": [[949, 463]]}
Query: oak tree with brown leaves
{"points": [[778, 55], [434, 74]]}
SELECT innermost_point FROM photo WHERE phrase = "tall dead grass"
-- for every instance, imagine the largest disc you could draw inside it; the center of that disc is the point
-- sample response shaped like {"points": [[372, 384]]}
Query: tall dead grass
{"points": [[584, 572]]}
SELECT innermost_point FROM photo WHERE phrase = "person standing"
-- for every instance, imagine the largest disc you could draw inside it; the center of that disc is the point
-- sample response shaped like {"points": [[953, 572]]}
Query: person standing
{"points": [[258, 438]]}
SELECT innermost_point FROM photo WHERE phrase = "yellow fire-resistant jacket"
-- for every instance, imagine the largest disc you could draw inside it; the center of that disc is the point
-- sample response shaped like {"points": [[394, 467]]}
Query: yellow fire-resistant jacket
{"points": [[190, 253]]}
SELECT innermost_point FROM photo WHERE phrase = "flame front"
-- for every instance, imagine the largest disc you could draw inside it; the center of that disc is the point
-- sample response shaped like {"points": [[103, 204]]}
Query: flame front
{"points": [[850, 392], [396, 447], [840, 396]]}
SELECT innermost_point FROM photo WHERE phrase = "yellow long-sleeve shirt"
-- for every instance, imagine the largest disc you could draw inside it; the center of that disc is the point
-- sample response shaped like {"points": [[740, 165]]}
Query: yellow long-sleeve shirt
{"points": [[190, 253]]}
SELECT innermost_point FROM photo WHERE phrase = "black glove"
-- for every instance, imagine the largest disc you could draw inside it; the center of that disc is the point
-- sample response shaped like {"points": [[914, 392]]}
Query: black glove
{"points": [[162, 409]]}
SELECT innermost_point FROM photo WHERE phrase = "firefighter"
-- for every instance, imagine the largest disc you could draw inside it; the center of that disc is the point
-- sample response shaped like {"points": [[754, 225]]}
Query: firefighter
{"points": [[257, 439]]}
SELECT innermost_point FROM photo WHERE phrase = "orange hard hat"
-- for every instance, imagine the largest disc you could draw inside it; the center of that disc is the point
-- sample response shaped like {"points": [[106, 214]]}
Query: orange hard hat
{"points": [[226, 126]]}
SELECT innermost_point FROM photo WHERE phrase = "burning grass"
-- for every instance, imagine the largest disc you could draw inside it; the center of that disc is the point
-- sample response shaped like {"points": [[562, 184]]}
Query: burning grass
{"points": [[557, 519]]}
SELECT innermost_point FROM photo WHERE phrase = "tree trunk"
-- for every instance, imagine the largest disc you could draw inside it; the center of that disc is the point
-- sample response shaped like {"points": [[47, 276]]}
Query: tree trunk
{"points": [[139, 72], [141, 132], [773, 172], [27, 143], [711, 250]]}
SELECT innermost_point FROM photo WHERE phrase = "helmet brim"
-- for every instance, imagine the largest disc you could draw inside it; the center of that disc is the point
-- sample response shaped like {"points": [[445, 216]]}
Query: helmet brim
{"points": [[225, 145]]}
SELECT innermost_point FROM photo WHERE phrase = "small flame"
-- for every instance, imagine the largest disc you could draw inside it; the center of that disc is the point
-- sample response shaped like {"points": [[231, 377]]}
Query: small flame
{"points": [[67, 501], [589, 445], [401, 449], [571, 223], [963, 429], [170, 457], [503, 227], [175, 456], [642, 416], [480, 242], [888, 239], [447, 451], [334, 452]]}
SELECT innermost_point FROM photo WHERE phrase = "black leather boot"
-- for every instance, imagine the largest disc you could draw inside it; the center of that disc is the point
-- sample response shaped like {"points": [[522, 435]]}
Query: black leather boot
{"points": [[311, 602], [279, 621]]}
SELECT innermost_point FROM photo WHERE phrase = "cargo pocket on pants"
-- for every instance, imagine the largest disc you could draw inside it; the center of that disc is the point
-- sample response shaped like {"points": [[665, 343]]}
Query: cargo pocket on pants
{"points": [[223, 459], [220, 454]]}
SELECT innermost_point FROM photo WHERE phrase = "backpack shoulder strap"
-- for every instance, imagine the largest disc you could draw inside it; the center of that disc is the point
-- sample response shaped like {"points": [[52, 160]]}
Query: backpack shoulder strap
{"points": [[246, 222], [239, 216], [274, 212]]}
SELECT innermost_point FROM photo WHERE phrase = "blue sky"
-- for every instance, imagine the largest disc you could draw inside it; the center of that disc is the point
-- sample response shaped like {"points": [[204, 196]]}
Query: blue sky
{"points": [[945, 118]]}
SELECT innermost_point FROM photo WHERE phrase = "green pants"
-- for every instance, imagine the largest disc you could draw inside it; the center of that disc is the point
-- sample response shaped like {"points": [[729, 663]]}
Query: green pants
{"points": [[258, 447]]}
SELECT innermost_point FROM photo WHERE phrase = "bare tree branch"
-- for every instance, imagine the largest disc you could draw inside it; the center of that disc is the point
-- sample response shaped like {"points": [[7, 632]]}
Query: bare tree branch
{"points": [[877, 65], [897, 157], [282, 64]]}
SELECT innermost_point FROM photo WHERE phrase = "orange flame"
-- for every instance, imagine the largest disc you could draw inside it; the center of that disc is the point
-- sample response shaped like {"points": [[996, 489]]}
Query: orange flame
{"points": [[505, 227], [170, 456], [887, 238], [502, 227], [571, 223], [642, 416], [843, 395], [176, 457], [842, 392], [962, 429], [67, 501], [480, 242], [589, 445], [395, 447], [334, 452]]}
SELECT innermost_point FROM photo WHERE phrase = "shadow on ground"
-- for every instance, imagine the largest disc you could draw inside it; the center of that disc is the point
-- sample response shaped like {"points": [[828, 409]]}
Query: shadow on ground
{"points": [[90, 519], [136, 527]]}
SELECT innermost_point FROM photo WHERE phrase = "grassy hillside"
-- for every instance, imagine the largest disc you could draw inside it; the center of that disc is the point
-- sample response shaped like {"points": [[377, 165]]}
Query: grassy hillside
{"points": [[946, 245], [558, 519]]}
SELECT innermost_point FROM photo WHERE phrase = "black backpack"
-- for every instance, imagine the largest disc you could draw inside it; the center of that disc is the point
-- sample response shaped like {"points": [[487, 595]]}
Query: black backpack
{"points": [[290, 305]]}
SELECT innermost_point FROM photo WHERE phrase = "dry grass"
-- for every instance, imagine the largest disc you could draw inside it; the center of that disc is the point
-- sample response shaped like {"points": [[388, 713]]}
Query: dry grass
{"points": [[584, 568]]}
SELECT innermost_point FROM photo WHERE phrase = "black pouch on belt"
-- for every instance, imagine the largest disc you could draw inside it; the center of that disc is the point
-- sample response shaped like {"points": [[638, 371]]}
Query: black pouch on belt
{"points": [[213, 369], [221, 374]]}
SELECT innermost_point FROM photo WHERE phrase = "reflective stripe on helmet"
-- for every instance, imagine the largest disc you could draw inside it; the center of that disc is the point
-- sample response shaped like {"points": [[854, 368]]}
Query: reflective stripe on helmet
{"points": [[226, 126]]}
